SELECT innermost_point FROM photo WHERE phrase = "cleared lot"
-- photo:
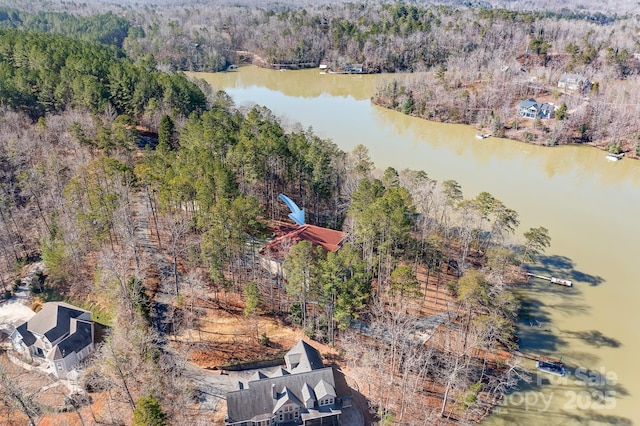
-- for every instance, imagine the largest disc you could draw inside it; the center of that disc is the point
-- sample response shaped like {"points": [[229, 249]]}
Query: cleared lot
{"points": [[16, 309]]}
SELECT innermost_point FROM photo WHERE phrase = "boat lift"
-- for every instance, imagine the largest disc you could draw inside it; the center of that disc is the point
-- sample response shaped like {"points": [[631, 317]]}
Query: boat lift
{"points": [[554, 280]]}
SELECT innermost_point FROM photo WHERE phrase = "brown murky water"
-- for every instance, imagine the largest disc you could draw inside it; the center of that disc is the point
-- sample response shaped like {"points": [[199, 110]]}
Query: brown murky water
{"points": [[591, 207]]}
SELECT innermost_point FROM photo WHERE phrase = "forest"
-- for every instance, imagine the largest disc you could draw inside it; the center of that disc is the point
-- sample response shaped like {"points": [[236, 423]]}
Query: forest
{"points": [[147, 196], [451, 63]]}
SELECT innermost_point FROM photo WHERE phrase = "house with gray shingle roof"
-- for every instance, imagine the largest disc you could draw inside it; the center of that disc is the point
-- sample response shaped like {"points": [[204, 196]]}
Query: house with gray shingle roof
{"points": [[573, 82], [307, 395], [530, 108], [60, 334]]}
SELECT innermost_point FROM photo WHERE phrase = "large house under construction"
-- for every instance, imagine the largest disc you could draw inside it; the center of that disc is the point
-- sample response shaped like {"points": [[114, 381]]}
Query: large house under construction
{"points": [[304, 393]]}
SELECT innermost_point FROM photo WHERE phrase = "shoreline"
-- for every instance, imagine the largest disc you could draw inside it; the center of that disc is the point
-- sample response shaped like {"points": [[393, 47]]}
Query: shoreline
{"points": [[516, 136], [525, 134]]}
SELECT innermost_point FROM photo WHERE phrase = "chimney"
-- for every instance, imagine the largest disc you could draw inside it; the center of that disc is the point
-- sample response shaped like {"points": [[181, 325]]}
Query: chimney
{"points": [[274, 394]]}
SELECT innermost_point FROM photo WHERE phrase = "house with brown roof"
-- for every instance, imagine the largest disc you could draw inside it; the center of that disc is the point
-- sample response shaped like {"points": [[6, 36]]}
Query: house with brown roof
{"points": [[60, 334], [273, 254], [306, 394]]}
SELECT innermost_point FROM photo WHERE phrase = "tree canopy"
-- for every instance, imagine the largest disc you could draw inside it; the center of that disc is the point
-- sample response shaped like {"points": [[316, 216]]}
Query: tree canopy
{"points": [[44, 73]]}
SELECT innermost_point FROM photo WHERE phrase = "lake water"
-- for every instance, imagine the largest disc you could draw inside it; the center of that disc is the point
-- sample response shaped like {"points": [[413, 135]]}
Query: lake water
{"points": [[591, 207]]}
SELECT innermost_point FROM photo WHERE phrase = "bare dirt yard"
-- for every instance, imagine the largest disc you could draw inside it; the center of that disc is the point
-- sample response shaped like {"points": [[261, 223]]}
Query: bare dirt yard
{"points": [[224, 335]]}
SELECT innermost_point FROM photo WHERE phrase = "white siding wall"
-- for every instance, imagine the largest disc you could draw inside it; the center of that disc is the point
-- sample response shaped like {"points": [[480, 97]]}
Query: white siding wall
{"points": [[62, 366]]}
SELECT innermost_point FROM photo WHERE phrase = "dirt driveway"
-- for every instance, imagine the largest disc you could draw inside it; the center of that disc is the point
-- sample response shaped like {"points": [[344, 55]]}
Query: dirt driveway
{"points": [[16, 309]]}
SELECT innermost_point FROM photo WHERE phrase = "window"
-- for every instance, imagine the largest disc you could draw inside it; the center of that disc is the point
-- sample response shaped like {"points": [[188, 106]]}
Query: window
{"points": [[60, 366], [296, 414]]}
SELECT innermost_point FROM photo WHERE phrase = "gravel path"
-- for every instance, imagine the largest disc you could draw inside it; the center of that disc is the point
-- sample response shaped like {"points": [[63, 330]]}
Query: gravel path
{"points": [[211, 385], [164, 297], [16, 309]]}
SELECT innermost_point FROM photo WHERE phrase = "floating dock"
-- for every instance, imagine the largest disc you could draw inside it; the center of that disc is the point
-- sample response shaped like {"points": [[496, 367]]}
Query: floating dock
{"points": [[554, 280], [551, 367]]}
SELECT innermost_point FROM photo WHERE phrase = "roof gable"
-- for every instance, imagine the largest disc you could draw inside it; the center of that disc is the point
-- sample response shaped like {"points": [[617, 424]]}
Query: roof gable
{"points": [[328, 239], [280, 372], [258, 375], [80, 338], [547, 107], [287, 397], [27, 337], [303, 357], [54, 320], [529, 103], [323, 389], [572, 78], [308, 396]]}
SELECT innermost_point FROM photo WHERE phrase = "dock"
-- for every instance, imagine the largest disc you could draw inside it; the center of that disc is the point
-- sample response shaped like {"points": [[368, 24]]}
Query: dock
{"points": [[554, 280], [614, 157]]}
